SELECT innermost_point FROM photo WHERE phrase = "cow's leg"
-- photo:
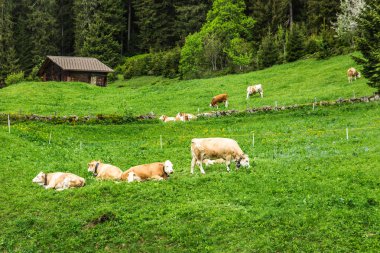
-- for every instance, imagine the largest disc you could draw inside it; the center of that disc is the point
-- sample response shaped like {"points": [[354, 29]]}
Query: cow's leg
{"points": [[262, 94], [226, 103], [228, 162], [157, 177], [193, 164], [201, 169], [51, 184], [247, 95]]}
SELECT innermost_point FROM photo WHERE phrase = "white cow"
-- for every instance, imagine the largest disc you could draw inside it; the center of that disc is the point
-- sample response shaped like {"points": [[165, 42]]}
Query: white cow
{"points": [[352, 74], [217, 148], [258, 88]]}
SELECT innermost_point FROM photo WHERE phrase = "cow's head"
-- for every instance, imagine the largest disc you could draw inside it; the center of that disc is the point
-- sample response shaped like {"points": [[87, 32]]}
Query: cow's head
{"points": [[168, 167], [243, 161], [92, 166], [40, 178]]}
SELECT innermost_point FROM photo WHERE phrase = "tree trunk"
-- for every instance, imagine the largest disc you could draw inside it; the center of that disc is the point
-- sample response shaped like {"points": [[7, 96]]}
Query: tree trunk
{"points": [[290, 14], [129, 24]]}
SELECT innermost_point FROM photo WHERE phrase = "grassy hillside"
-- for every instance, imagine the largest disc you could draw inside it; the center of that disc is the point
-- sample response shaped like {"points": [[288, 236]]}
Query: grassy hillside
{"points": [[293, 83], [310, 189]]}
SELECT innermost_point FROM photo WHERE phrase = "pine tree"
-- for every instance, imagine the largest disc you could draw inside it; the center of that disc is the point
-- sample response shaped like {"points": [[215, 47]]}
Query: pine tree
{"points": [[66, 26], [83, 17], [295, 44], [99, 26], [22, 35], [369, 44], [268, 53], [8, 58], [321, 12], [155, 24], [43, 29], [190, 15]]}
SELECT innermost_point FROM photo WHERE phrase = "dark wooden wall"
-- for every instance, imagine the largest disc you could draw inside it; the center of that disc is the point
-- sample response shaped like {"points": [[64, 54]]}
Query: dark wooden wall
{"points": [[52, 72]]}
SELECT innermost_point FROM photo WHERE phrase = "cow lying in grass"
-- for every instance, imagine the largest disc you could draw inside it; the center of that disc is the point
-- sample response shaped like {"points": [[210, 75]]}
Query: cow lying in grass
{"points": [[58, 180], [221, 98], [165, 118], [181, 116], [157, 171], [104, 171], [217, 148]]}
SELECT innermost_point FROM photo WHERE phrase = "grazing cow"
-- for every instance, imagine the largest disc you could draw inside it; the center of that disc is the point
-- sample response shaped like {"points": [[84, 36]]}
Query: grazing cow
{"points": [[165, 118], [158, 171], [352, 74], [217, 148], [221, 98], [104, 171], [181, 116], [59, 180], [258, 88]]}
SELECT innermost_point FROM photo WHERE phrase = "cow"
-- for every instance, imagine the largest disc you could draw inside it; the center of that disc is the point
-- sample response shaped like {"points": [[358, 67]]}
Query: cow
{"points": [[157, 171], [59, 180], [217, 148], [258, 88], [104, 171], [181, 116], [221, 98], [352, 74], [165, 118]]}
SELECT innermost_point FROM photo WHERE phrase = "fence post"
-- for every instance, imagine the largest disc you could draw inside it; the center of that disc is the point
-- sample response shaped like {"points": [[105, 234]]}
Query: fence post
{"points": [[9, 124], [49, 137], [161, 141], [253, 139], [347, 133], [80, 145]]}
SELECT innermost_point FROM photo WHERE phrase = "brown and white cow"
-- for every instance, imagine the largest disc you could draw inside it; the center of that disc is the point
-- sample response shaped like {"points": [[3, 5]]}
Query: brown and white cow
{"points": [[217, 148], [104, 171], [352, 74], [59, 180], [258, 88], [157, 171], [181, 116], [165, 118], [221, 98]]}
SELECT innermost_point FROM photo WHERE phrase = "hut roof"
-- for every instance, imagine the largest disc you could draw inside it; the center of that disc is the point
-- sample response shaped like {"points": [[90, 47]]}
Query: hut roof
{"points": [[85, 64]]}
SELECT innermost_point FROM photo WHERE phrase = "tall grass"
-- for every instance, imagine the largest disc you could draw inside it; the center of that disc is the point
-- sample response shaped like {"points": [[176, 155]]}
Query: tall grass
{"points": [[294, 83], [310, 189]]}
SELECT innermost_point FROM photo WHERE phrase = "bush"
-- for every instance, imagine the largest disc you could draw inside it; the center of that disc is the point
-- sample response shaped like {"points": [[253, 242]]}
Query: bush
{"points": [[14, 78], [155, 63]]}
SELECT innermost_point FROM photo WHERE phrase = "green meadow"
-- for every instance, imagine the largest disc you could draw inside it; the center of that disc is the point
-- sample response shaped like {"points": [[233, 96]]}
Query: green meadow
{"points": [[313, 185], [295, 83], [309, 188]]}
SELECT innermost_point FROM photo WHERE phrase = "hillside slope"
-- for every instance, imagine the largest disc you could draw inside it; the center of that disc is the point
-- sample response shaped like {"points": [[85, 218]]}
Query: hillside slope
{"points": [[309, 188], [293, 83]]}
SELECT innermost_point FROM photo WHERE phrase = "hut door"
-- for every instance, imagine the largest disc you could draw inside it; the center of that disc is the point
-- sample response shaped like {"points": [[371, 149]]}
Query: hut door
{"points": [[93, 79]]}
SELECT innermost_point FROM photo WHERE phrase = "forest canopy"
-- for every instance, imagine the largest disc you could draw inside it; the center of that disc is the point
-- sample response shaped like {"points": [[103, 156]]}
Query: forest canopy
{"points": [[186, 38]]}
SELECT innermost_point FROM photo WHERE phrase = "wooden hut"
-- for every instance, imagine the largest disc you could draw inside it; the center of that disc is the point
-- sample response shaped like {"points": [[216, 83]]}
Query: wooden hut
{"points": [[74, 69]]}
